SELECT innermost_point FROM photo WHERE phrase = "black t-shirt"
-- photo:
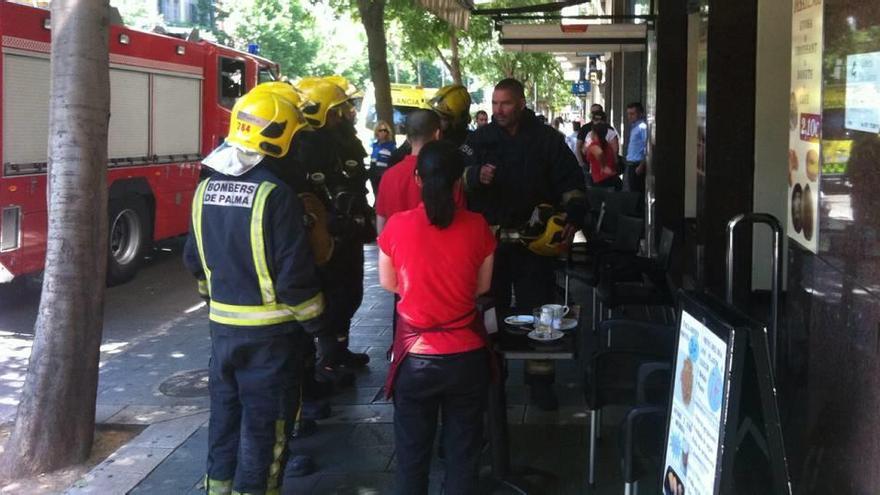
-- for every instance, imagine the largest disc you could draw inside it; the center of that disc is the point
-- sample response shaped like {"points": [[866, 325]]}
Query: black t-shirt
{"points": [[586, 128]]}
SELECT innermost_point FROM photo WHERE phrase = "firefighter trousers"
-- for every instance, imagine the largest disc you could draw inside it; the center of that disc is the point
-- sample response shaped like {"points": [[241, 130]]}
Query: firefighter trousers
{"points": [[254, 391], [343, 285], [521, 282]]}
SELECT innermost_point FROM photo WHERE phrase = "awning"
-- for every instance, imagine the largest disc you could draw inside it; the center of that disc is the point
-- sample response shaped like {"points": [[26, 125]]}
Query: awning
{"points": [[580, 38], [456, 12]]}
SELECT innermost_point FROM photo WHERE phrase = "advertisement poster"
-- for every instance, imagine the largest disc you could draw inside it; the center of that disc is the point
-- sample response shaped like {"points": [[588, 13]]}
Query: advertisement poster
{"points": [[805, 123], [694, 437], [863, 92]]}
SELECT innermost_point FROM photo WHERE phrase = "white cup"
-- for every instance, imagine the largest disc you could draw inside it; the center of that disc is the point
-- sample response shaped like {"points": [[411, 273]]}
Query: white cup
{"points": [[555, 312]]}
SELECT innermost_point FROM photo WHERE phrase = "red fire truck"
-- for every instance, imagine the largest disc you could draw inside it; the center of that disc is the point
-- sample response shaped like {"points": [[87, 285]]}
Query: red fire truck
{"points": [[170, 105]]}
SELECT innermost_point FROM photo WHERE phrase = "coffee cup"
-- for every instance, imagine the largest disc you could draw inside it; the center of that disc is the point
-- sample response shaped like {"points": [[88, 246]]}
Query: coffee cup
{"points": [[555, 312]]}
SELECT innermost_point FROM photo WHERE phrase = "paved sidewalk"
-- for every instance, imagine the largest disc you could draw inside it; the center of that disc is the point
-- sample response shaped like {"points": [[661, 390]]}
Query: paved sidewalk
{"points": [[161, 382]]}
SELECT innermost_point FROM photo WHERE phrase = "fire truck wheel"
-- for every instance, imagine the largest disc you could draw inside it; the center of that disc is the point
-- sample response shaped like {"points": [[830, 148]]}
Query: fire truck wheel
{"points": [[128, 238]]}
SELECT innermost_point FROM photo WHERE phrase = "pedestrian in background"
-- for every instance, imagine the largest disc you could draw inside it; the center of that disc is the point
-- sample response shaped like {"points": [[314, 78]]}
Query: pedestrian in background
{"points": [[636, 148], [481, 118], [571, 137], [440, 359], [601, 158], [383, 146]]}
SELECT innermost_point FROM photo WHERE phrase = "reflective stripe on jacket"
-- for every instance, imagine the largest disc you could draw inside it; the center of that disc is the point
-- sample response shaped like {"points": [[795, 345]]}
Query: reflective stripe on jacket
{"points": [[251, 253]]}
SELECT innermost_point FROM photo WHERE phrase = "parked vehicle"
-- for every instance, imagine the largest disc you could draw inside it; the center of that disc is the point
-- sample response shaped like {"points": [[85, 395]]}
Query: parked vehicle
{"points": [[170, 106]]}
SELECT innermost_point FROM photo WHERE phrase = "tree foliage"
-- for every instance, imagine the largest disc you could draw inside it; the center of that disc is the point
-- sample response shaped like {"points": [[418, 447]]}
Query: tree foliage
{"points": [[282, 29]]}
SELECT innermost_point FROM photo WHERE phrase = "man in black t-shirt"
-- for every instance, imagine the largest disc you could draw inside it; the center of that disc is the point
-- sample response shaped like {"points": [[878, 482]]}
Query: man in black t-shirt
{"points": [[596, 115]]}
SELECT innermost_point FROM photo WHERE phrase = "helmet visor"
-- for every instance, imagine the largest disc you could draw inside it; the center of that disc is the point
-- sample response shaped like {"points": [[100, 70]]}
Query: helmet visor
{"points": [[231, 160]]}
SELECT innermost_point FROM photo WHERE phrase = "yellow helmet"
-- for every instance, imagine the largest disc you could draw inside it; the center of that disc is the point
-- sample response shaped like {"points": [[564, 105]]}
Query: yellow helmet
{"points": [[282, 89], [453, 102], [264, 122], [550, 242], [350, 90], [322, 96]]}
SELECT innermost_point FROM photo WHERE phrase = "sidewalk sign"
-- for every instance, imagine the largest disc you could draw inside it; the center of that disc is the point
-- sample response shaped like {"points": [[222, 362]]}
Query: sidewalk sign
{"points": [[722, 407]]}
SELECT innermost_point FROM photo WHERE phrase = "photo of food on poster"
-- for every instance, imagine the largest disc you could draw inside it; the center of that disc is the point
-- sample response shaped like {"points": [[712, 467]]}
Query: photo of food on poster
{"points": [[694, 436], [805, 123]]}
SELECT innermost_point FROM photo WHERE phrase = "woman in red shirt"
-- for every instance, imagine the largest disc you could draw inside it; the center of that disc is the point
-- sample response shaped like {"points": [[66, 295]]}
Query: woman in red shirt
{"points": [[438, 257], [602, 158]]}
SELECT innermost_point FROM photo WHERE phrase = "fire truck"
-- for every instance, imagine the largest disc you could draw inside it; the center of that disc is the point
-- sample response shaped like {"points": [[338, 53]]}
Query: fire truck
{"points": [[170, 106]]}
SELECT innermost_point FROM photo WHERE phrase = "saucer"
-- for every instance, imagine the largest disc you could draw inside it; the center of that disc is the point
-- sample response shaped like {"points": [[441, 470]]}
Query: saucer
{"points": [[568, 324], [519, 320], [553, 335]]}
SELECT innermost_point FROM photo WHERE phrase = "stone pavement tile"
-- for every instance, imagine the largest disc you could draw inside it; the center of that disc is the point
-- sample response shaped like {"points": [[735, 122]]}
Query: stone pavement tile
{"points": [[328, 435], [515, 414], [380, 319], [372, 435], [120, 472], [564, 416], [103, 412], [570, 394], [7, 412], [343, 457], [303, 485], [370, 340], [356, 395], [516, 394], [146, 415], [171, 433], [373, 376], [369, 329], [128, 390], [378, 353], [355, 484], [182, 471], [362, 413]]}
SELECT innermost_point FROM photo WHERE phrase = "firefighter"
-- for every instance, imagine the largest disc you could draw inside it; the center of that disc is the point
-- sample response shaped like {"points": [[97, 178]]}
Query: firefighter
{"points": [[248, 250], [315, 220], [515, 166], [453, 104], [334, 159]]}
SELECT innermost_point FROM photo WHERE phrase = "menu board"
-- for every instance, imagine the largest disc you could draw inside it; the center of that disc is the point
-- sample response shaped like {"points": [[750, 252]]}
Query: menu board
{"points": [[863, 92], [695, 424], [805, 123]]}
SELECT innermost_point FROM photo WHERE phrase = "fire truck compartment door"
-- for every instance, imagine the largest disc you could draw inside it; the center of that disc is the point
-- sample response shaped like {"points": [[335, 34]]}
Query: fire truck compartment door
{"points": [[129, 134], [176, 122], [25, 109]]}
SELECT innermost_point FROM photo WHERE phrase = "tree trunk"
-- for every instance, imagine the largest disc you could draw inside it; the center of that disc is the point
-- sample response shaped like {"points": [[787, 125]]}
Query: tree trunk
{"points": [[373, 16], [455, 60], [55, 423], [453, 63]]}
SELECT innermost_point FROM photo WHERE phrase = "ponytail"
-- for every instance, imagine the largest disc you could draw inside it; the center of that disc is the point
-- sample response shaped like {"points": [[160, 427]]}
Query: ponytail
{"points": [[600, 129], [440, 166]]}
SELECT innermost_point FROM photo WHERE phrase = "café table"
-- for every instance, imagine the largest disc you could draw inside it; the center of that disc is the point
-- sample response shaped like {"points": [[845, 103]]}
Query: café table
{"points": [[512, 343]]}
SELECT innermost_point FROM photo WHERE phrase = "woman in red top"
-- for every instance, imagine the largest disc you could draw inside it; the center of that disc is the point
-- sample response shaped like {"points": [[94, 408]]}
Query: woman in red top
{"points": [[438, 257], [601, 157]]}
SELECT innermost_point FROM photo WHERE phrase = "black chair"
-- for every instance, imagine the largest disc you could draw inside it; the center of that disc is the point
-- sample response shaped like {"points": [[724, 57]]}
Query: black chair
{"points": [[630, 366], [637, 281]]}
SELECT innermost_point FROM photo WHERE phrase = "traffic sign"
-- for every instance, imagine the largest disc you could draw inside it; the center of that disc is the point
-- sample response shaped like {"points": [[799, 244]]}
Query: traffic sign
{"points": [[580, 87]]}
